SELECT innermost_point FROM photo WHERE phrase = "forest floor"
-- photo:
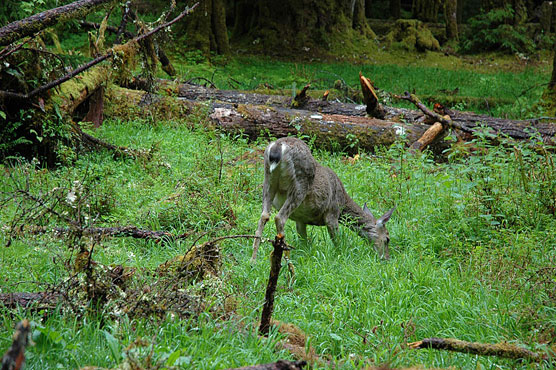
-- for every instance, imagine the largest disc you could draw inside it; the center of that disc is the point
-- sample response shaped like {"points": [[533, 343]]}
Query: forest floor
{"points": [[472, 239]]}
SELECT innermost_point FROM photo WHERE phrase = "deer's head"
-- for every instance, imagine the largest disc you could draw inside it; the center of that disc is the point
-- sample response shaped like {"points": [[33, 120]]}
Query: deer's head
{"points": [[375, 231]]}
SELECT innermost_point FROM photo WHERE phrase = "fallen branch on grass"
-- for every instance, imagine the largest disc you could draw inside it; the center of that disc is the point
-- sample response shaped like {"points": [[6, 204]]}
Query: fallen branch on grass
{"points": [[506, 350], [275, 266], [279, 365], [118, 231]]}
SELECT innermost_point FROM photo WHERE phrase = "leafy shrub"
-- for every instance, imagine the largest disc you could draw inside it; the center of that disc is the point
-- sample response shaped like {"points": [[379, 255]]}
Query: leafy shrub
{"points": [[496, 30]]}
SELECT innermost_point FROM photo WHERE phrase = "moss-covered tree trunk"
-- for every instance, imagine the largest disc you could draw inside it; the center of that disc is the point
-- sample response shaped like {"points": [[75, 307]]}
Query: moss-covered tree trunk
{"points": [[450, 14], [206, 29], [29, 26], [292, 25], [426, 10]]}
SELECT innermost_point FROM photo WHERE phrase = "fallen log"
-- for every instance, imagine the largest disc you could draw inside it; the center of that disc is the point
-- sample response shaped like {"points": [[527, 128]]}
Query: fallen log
{"points": [[279, 365], [37, 22], [118, 231], [506, 350], [329, 131], [26, 300], [465, 122]]}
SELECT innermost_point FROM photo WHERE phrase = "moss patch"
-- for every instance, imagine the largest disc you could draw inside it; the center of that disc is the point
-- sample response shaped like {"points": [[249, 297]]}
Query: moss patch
{"points": [[411, 35]]}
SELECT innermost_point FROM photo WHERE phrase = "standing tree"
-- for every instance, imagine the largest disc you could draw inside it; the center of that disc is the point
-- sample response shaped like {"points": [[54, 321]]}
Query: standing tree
{"points": [[206, 29], [395, 9], [450, 13], [291, 25], [426, 10]]}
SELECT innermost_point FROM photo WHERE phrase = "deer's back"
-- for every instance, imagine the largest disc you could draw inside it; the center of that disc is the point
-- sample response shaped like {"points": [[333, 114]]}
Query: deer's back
{"points": [[298, 171]]}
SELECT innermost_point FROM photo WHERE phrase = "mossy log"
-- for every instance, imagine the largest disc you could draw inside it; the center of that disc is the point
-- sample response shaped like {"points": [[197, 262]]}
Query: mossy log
{"points": [[330, 131], [466, 123], [37, 22], [506, 350]]}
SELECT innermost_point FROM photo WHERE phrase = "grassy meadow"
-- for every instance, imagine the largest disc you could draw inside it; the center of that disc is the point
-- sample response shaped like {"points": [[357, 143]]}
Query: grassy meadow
{"points": [[472, 239]]}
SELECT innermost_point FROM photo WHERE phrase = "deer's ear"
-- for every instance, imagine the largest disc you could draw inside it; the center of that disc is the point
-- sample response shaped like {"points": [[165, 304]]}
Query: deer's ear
{"points": [[384, 219], [367, 210]]}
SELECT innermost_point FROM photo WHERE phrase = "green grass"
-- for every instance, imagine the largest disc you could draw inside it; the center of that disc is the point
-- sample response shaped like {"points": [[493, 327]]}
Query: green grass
{"points": [[518, 89], [472, 255]]}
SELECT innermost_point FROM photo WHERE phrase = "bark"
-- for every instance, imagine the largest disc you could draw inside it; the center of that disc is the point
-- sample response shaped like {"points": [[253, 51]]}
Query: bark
{"points": [[450, 14], [219, 27], [338, 119], [545, 16], [275, 266], [35, 23], [395, 9], [428, 137], [95, 114], [330, 131], [426, 10], [506, 350], [374, 108], [279, 365], [26, 300]]}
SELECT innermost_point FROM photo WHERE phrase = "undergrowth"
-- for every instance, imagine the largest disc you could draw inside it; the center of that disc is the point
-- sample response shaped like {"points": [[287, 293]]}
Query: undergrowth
{"points": [[472, 253]]}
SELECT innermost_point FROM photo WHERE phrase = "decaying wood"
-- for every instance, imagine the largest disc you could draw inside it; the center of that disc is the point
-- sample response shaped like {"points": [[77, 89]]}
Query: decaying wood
{"points": [[506, 350], [275, 266], [95, 114], [349, 133], [279, 365], [427, 137], [301, 97], [26, 300], [466, 122], [119, 231], [374, 108], [37, 22], [14, 357]]}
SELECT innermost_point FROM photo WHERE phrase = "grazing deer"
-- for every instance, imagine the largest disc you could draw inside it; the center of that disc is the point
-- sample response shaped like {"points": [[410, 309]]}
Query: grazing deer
{"points": [[311, 194]]}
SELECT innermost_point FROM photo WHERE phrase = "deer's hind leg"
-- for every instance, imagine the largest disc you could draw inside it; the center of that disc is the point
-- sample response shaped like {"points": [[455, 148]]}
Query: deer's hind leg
{"points": [[301, 230]]}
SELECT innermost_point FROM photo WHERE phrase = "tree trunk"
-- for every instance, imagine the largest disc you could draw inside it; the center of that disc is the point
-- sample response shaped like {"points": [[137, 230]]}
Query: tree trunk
{"points": [[395, 9], [426, 10], [450, 14], [35, 23], [219, 27], [368, 12]]}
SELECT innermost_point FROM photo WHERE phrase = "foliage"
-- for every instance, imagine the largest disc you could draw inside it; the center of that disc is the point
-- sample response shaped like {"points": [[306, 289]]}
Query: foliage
{"points": [[495, 30]]}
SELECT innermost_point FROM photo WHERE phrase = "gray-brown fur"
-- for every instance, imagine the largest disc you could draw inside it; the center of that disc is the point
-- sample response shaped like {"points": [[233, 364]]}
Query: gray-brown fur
{"points": [[310, 194]]}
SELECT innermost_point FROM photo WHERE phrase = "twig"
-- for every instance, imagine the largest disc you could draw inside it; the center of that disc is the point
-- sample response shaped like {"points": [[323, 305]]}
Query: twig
{"points": [[437, 117], [275, 266]]}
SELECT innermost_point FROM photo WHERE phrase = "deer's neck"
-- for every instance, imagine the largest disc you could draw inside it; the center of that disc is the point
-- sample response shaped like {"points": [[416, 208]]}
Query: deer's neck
{"points": [[352, 215]]}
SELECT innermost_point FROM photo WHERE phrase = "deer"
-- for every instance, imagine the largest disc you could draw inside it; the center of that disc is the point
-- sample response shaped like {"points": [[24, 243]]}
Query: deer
{"points": [[303, 190]]}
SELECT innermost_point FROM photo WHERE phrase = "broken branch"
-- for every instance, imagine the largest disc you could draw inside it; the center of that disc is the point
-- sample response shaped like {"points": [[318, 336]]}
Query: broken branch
{"points": [[506, 350]]}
